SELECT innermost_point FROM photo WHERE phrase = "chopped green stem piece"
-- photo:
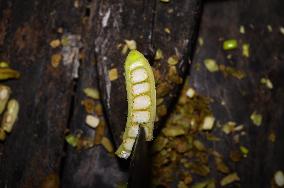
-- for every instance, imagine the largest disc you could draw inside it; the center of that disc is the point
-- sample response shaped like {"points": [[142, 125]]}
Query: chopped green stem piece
{"points": [[230, 44], [7, 73], [211, 65]]}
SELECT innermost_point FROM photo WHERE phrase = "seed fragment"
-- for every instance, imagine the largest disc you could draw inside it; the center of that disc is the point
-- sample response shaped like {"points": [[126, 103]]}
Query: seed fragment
{"points": [[10, 116], [92, 121]]}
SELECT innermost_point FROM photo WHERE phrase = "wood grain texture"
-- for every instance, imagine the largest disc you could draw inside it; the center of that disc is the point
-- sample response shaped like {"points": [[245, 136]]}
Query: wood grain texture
{"points": [[221, 20]]}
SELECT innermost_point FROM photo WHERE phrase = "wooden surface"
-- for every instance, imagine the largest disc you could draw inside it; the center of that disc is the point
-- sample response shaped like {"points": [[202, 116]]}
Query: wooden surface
{"points": [[35, 154], [50, 98], [221, 20]]}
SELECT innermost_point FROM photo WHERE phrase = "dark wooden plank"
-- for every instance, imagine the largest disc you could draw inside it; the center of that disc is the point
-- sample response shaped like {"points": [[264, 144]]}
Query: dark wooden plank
{"points": [[222, 20], [31, 155]]}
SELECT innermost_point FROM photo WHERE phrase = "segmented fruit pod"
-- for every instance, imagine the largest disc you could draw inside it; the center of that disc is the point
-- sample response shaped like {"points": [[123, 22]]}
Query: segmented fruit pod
{"points": [[141, 96]]}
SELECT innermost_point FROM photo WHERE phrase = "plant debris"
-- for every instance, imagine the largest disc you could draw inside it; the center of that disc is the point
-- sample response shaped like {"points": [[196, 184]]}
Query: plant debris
{"points": [[92, 93], [113, 74], [211, 65], [208, 123], [55, 43], [131, 44], [229, 179], [256, 118], [159, 54], [56, 59], [173, 60], [246, 51], [230, 44], [5, 92], [8, 73], [266, 82], [10, 116]]}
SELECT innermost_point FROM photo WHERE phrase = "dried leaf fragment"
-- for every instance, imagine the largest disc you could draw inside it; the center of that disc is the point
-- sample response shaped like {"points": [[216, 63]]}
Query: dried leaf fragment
{"points": [[173, 131], [55, 60], [229, 179], [92, 92], [55, 43], [159, 54], [230, 44], [112, 74], [10, 116]]}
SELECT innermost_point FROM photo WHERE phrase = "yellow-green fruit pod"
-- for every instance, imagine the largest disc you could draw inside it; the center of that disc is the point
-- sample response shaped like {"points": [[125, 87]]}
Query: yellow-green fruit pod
{"points": [[141, 96]]}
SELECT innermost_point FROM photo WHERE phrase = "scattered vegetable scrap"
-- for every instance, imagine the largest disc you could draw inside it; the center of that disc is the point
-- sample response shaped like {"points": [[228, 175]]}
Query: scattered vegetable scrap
{"points": [[269, 28], [92, 93], [56, 59], [167, 30], [173, 60], [8, 73], [245, 49], [92, 121], [230, 44], [190, 93], [211, 65], [55, 43], [242, 29], [244, 151], [266, 82], [256, 118], [159, 54], [112, 74], [230, 179], [208, 123], [131, 44]]}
